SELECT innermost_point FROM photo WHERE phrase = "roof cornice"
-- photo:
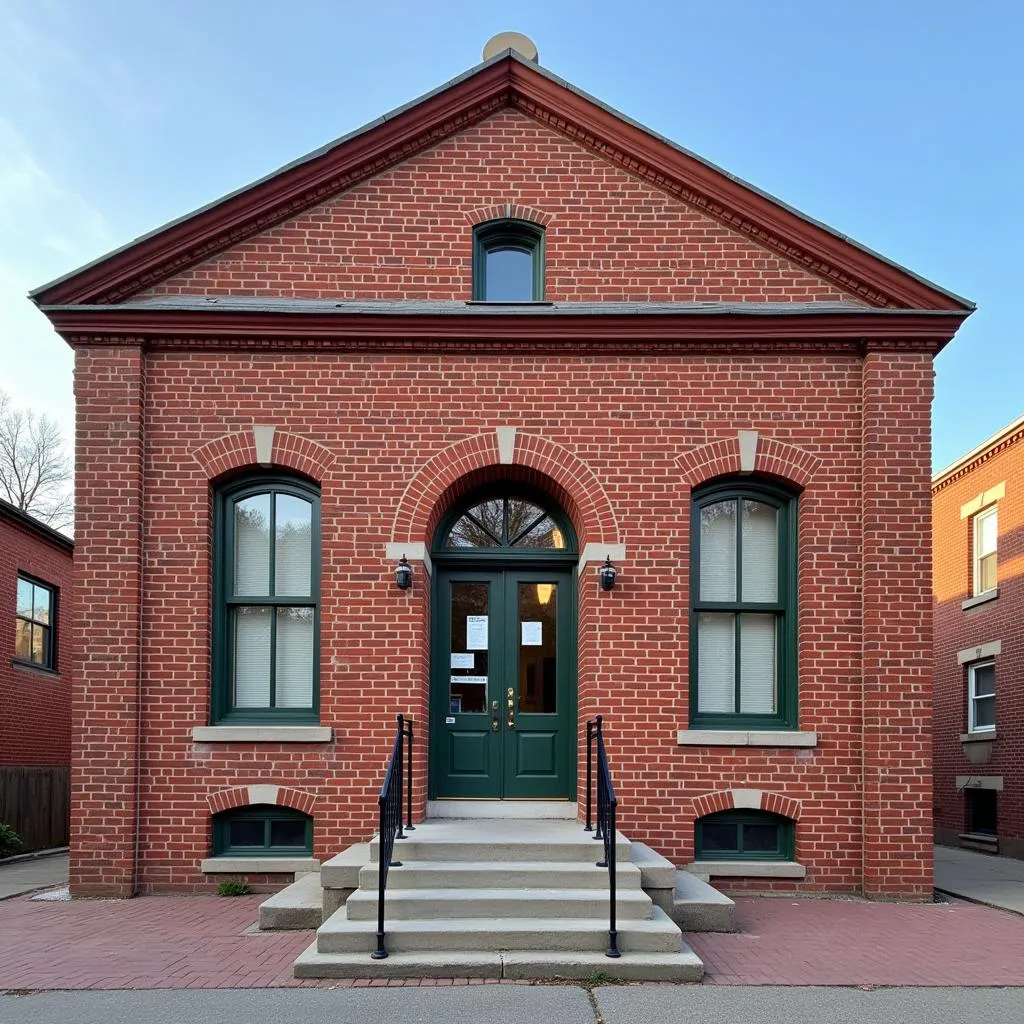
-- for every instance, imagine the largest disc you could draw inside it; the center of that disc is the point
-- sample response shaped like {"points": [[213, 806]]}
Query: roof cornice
{"points": [[496, 331], [15, 515], [1010, 435], [502, 81]]}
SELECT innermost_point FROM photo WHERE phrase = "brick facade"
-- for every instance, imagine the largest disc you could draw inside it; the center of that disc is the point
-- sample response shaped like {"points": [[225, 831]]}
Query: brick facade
{"points": [[396, 433], [994, 472], [35, 722]]}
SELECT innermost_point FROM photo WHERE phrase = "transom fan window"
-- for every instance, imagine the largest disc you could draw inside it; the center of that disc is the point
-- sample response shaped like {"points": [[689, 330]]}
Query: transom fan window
{"points": [[742, 618], [505, 523], [268, 595]]}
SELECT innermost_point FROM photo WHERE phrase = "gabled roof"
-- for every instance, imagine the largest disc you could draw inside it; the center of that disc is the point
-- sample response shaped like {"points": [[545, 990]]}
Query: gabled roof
{"points": [[507, 79]]}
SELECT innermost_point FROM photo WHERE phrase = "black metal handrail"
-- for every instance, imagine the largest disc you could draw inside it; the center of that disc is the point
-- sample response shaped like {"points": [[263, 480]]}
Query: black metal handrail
{"points": [[607, 802], [390, 804]]}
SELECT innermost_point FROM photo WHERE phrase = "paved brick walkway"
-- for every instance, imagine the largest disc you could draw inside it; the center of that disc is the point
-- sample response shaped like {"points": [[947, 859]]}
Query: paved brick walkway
{"points": [[206, 942], [852, 942]]}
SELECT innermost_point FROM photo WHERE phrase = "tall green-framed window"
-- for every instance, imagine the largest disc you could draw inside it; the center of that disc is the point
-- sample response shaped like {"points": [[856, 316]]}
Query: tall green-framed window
{"points": [[266, 601], [744, 835], [743, 606], [508, 261], [262, 830], [35, 618]]}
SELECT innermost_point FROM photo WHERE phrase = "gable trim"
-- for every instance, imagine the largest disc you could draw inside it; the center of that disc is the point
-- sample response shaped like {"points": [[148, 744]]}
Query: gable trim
{"points": [[506, 79]]}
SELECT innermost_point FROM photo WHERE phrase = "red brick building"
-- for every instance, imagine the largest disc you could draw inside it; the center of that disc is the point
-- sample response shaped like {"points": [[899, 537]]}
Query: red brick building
{"points": [[978, 543], [507, 335], [36, 666]]}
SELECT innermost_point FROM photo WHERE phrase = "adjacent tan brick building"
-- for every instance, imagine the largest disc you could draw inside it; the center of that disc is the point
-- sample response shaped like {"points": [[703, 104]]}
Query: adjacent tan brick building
{"points": [[507, 335], [978, 540]]}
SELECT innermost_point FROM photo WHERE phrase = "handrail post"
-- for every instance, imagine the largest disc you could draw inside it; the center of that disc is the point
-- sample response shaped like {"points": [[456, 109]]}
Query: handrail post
{"points": [[409, 827], [400, 768], [590, 758], [613, 934], [380, 953], [600, 817]]}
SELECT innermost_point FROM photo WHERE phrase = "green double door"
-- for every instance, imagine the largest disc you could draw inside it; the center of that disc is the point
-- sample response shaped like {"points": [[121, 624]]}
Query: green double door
{"points": [[503, 693]]}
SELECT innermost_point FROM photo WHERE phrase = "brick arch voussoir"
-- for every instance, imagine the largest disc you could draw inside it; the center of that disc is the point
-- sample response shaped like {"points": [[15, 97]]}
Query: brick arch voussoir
{"points": [[722, 458], [582, 491], [504, 211], [238, 451], [723, 800], [238, 796]]}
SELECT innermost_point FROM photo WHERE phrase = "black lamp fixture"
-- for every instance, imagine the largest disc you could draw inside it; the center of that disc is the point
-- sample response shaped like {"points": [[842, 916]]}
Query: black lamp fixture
{"points": [[403, 574], [607, 573]]}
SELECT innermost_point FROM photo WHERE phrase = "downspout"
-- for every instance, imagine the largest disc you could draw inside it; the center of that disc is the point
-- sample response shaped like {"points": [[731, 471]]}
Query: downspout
{"points": [[136, 844]]}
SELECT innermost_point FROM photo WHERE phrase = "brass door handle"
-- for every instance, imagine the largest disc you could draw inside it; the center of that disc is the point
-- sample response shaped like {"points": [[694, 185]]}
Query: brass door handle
{"points": [[510, 698], [494, 716]]}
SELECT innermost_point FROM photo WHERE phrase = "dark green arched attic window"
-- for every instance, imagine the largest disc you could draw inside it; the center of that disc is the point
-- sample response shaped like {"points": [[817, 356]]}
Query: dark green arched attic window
{"points": [[744, 835], [508, 261], [262, 830]]}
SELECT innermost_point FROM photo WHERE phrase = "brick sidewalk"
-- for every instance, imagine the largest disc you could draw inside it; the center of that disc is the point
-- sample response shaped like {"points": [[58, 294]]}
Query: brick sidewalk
{"points": [[205, 942], [852, 942]]}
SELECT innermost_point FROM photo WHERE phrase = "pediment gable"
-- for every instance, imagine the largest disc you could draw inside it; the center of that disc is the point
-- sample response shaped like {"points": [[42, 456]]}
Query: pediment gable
{"points": [[505, 86]]}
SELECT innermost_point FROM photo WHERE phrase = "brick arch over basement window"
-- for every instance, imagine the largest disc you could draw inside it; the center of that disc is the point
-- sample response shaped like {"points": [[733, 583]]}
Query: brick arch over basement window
{"points": [[475, 461], [288, 451], [743, 799], [773, 457], [263, 793]]}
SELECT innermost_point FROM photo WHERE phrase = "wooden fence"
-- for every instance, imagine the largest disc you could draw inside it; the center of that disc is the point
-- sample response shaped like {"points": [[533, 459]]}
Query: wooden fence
{"points": [[34, 802]]}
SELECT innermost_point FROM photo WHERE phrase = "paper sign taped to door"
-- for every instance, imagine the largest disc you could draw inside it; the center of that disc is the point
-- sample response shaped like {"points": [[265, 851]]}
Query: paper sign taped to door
{"points": [[463, 660], [532, 632], [476, 632]]}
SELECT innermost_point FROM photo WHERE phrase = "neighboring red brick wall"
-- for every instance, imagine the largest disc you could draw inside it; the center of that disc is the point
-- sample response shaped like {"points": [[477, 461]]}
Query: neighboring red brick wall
{"points": [[407, 233], [957, 629], [35, 704]]}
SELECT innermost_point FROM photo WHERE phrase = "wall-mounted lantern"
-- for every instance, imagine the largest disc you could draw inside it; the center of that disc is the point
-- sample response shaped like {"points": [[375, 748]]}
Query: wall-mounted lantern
{"points": [[403, 574], [607, 574]]}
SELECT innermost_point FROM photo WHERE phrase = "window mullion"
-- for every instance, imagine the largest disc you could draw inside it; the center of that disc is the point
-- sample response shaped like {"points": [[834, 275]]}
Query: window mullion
{"points": [[273, 656]]}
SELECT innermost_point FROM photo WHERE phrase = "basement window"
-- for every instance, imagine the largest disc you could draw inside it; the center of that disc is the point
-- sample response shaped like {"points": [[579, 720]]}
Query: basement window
{"points": [[508, 261], [262, 830], [744, 835]]}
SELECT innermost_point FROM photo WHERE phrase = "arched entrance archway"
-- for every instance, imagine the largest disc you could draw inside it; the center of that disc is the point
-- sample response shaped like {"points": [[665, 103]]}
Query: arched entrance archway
{"points": [[503, 685]]}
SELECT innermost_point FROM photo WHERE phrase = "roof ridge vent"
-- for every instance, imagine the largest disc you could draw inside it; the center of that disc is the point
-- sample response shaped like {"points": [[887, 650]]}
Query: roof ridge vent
{"points": [[523, 45]]}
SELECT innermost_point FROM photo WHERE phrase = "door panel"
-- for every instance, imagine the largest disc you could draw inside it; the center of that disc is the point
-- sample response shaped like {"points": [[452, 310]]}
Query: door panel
{"points": [[502, 684]]}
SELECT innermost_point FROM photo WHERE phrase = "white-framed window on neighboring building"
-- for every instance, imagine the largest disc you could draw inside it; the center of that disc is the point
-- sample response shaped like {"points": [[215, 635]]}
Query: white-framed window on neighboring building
{"points": [[986, 541], [981, 696]]}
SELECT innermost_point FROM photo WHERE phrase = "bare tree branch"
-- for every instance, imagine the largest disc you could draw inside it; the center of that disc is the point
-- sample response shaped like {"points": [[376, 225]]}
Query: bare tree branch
{"points": [[35, 474]]}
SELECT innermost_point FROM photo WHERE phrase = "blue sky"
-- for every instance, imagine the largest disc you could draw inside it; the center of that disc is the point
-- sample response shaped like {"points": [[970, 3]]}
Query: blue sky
{"points": [[899, 123]]}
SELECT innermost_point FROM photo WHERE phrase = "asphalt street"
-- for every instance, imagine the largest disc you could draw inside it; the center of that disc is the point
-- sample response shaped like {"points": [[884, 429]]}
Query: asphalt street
{"points": [[519, 1004]]}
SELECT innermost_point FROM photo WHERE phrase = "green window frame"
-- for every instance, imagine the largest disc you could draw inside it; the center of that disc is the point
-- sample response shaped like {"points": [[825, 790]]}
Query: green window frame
{"points": [[744, 609], [744, 835], [35, 623], [262, 830], [264, 606], [497, 236]]}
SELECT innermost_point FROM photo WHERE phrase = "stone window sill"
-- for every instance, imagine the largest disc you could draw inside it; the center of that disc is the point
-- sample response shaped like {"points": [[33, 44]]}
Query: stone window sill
{"points": [[977, 737], [743, 738], [257, 865], [705, 869], [262, 734], [973, 602]]}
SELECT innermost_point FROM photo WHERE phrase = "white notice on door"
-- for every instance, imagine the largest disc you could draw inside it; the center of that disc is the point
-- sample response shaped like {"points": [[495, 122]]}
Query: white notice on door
{"points": [[532, 634], [463, 660], [476, 632]]}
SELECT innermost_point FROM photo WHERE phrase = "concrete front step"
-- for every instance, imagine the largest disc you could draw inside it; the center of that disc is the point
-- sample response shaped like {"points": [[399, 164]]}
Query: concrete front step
{"points": [[496, 841], [507, 875], [339, 934], [698, 907], [296, 907], [435, 904], [684, 966]]}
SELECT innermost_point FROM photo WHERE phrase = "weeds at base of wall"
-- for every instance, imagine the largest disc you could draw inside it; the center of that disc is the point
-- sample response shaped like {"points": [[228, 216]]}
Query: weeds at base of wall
{"points": [[233, 887]]}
